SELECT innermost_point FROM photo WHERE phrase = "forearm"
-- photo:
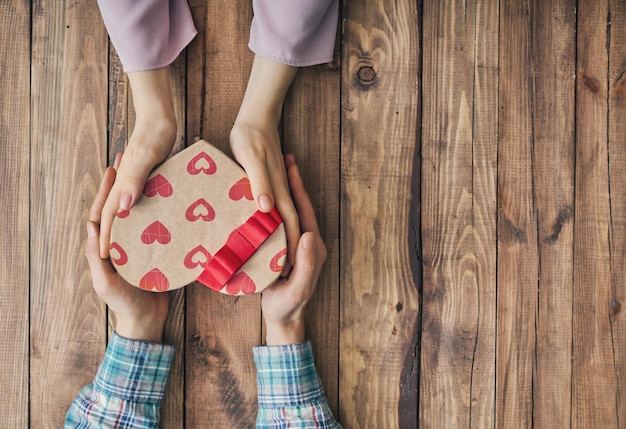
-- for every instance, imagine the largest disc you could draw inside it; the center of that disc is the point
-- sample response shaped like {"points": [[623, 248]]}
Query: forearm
{"points": [[152, 96], [284, 333], [265, 94], [129, 386], [290, 392], [147, 34], [138, 330]]}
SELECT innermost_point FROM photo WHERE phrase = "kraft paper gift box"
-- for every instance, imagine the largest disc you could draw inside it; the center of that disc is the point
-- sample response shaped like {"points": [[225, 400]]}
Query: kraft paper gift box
{"points": [[197, 221]]}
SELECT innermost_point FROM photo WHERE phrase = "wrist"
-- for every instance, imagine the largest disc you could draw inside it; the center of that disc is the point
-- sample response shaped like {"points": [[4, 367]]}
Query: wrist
{"points": [[150, 332], [152, 96], [151, 141], [266, 91], [258, 116], [284, 333]]}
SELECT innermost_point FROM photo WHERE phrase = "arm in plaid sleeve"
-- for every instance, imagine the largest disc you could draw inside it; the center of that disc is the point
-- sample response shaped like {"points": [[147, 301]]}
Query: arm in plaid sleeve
{"points": [[128, 387], [290, 392]]}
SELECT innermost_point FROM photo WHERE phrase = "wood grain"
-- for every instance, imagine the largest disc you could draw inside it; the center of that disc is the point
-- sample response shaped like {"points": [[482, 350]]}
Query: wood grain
{"points": [[518, 259], [221, 330], [552, 70], [617, 177], [119, 93], [69, 114], [594, 385], [379, 301], [14, 194], [513, 211], [311, 133], [457, 379]]}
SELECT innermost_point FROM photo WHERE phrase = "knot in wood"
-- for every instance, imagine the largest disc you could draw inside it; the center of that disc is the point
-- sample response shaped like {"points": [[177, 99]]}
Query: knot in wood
{"points": [[366, 74]]}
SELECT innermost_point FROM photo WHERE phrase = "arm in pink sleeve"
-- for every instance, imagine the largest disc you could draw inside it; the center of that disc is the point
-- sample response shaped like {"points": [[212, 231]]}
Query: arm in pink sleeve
{"points": [[295, 32], [147, 34]]}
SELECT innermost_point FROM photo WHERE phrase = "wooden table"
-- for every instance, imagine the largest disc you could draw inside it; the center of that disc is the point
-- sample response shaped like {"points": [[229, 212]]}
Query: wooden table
{"points": [[468, 165]]}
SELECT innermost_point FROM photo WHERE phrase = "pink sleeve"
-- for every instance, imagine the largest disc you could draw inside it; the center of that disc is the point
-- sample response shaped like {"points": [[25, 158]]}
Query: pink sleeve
{"points": [[295, 32], [147, 34]]}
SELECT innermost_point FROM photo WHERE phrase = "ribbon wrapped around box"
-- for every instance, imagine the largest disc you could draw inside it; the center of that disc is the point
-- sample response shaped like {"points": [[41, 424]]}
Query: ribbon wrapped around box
{"points": [[197, 221]]}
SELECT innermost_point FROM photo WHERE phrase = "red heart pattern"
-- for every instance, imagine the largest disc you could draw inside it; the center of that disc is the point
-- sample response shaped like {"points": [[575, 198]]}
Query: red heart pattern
{"points": [[118, 255], [158, 185], [241, 282], [198, 162], [240, 190], [275, 264], [197, 256], [200, 209], [191, 193], [156, 231], [154, 279]]}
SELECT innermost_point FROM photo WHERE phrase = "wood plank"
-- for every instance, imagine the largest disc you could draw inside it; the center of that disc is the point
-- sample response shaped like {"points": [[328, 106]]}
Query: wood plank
{"points": [[311, 133], [14, 194], [379, 298], [220, 374], [594, 387], [517, 224], [121, 120], [459, 122], [552, 61], [119, 93], [69, 114], [617, 179]]}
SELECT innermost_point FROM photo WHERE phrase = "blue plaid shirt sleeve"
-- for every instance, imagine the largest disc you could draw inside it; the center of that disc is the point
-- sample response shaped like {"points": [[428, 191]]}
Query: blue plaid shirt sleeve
{"points": [[290, 393], [128, 387]]}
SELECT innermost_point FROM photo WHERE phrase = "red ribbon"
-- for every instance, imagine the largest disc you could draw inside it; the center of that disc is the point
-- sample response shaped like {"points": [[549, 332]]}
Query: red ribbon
{"points": [[239, 247]]}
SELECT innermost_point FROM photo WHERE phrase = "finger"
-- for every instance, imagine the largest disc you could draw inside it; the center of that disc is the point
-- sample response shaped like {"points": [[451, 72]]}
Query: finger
{"points": [[108, 214], [118, 160], [132, 188], [129, 183], [103, 192], [290, 160], [305, 273], [304, 207], [100, 268], [288, 212], [260, 182], [134, 168]]}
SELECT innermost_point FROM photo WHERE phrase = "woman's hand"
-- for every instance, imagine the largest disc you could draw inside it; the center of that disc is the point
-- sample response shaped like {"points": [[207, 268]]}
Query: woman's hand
{"points": [[284, 302], [151, 142], [140, 315], [256, 146]]}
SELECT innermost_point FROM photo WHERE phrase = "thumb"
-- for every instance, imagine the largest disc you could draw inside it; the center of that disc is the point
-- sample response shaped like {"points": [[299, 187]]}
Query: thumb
{"points": [[92, 251], [132, 188], [260, 183], [304, 273], [262, 191], [99, 267]]}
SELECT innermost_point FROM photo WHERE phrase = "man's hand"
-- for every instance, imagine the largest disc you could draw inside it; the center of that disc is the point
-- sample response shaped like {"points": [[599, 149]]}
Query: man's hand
{"points": [[283, 303], [256, 146], [140, 315], [151, 142]]}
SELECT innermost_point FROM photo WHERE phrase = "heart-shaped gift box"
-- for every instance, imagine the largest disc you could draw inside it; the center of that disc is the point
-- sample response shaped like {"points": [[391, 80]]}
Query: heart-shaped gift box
{"points": [[197, 221]]}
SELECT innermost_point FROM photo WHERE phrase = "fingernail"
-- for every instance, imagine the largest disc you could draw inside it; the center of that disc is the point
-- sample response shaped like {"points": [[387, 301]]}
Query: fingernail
{"points": [[265, 202], [125, 201], [91, 231]]}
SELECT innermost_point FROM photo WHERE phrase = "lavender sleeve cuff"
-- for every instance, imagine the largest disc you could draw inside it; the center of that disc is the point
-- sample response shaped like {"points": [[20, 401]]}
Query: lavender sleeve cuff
{"points": [[147, 34], [294, 32]]}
